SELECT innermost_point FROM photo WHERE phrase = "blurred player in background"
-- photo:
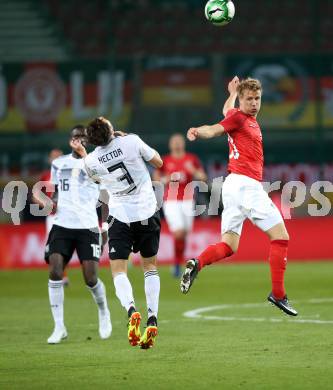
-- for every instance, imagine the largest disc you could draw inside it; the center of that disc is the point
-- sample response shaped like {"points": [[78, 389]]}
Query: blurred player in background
{"points": [[134, 222], [75, 227], [243, 194], [46, 177], [179, 170]]}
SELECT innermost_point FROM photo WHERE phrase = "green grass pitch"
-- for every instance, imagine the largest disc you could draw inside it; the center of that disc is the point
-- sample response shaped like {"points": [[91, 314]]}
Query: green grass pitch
{"points": [[241, 346]]}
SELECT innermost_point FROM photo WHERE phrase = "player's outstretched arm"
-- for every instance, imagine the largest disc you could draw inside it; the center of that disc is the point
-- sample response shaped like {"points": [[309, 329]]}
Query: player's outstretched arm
{"points": [[156, 161], [205, 132], [230, 102]]}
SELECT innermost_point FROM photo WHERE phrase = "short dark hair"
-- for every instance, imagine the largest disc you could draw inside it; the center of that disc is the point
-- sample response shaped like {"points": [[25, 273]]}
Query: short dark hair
{"points": [[99, 131], [78, 127]]}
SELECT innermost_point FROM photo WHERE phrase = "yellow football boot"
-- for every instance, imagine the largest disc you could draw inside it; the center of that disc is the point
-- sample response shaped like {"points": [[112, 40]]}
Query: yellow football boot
{"points": [[148, 338], [134, 333]]}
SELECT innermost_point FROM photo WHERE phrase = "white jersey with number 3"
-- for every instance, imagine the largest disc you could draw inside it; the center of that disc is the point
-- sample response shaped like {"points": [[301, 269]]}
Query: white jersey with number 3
{"points": [[77, 194], [120, 167]]}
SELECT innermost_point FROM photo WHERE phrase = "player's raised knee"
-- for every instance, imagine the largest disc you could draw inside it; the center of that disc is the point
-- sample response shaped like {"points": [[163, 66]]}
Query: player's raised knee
{"points": [[278, 232]]}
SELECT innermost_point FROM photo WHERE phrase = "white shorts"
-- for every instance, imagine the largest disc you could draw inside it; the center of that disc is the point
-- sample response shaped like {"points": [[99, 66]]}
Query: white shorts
{"points": [[178, 214], [243, 198]]}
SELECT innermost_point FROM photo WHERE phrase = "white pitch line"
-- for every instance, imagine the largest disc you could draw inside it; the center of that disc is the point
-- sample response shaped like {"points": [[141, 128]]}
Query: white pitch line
{"points": [[319, 300], [199, 313]]}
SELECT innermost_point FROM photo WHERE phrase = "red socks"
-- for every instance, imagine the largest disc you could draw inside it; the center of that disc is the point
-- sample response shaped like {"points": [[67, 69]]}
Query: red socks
{"points": [[278, 263], [179, 250], [277, 260], [214, 253]]}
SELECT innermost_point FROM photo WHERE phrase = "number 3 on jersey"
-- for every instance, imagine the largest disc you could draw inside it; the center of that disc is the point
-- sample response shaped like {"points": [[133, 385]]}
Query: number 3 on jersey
{"points": [[125, 175]]}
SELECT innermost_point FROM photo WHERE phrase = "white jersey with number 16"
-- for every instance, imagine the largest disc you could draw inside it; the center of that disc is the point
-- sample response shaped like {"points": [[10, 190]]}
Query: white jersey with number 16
{"points": [[77, 194], [120, 167]]}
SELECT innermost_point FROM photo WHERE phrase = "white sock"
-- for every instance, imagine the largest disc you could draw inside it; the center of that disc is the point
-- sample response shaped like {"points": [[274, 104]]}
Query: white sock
{"points": [[152, 290], [56, 297], [99, 296], [124, 290]]}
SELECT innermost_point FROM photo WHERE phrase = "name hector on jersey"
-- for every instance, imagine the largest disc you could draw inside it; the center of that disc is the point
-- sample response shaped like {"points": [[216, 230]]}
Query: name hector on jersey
{"points": [[110, 156]]}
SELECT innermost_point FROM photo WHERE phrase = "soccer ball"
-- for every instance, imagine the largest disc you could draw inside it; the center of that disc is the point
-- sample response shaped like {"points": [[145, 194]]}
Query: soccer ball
{"points": [[220, 12]]}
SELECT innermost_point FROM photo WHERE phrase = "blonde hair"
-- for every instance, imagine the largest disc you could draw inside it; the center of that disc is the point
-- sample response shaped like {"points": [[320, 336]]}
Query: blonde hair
{"points": [[250, 84]]}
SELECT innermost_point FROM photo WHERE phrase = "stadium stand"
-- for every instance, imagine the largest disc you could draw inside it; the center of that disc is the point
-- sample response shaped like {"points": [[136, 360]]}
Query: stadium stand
{"points": [[26, 34], [162, 29], [85, 27], [55, 29]]}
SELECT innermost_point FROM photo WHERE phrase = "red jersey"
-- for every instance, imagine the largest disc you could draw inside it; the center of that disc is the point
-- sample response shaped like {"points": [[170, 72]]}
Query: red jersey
{"points": [[180, 172], [245, 144]]}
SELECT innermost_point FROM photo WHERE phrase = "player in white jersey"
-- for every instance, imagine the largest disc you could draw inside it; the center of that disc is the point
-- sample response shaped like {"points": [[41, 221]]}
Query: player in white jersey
{"points": [[45, 179], [134, 222], [75, 227]]}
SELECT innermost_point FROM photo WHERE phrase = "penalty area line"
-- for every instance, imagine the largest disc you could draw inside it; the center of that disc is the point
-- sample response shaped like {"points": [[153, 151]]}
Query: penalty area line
{"points": [[202, 313]]}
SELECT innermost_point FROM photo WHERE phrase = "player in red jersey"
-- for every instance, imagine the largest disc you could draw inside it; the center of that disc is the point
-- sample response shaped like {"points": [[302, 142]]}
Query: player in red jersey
{"points": [[179, 170], [46, 176], [242, 193]]}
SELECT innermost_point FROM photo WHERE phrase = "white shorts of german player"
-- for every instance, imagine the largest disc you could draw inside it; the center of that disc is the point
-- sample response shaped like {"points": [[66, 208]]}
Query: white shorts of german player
{"points": [[179, 214], [244, 198]]}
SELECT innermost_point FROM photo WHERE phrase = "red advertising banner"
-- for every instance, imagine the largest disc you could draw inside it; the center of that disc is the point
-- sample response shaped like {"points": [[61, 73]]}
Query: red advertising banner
{"points": [[23, 246]]}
